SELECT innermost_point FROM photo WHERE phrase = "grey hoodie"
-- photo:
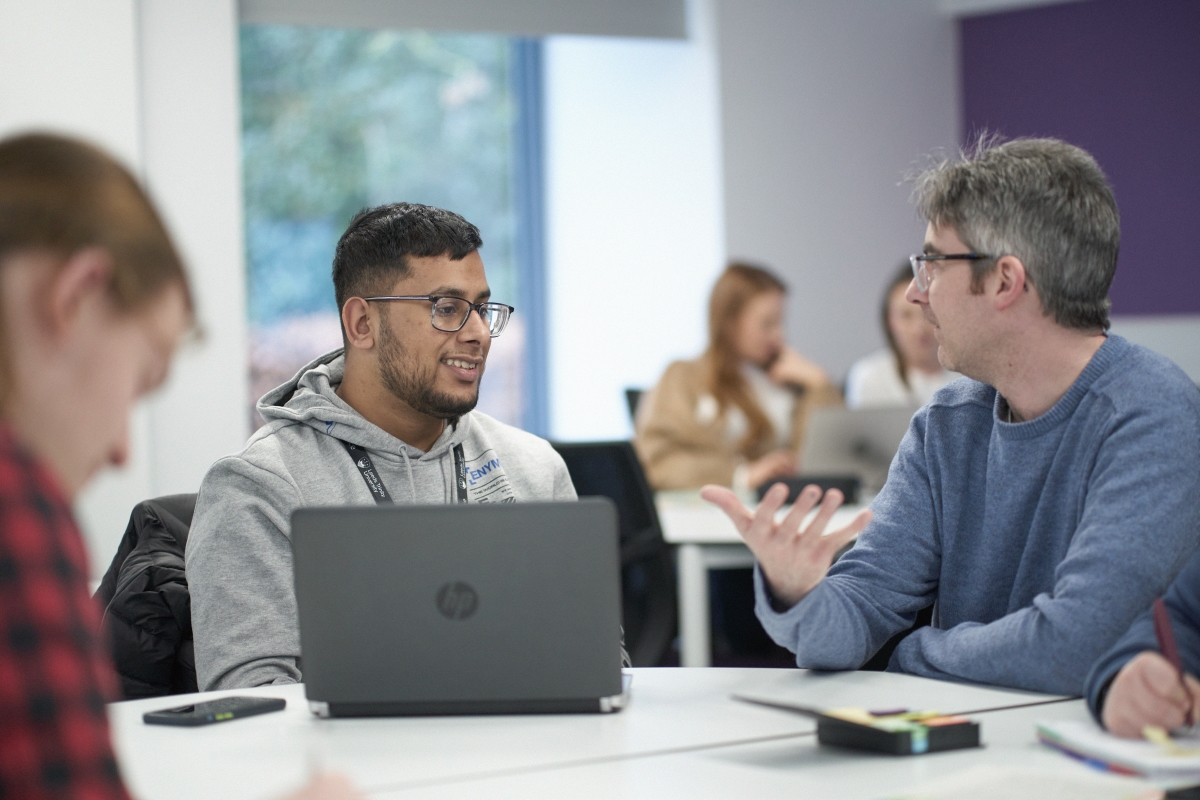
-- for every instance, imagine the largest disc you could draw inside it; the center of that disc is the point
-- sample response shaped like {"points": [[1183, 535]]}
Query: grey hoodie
{"points": [[239, 552]]}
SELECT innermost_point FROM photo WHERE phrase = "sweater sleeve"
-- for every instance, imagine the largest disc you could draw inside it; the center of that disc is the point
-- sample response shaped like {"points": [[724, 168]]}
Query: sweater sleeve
{"points": [[1183, 606], [1138, 527], [239, 568], [877, 588]]}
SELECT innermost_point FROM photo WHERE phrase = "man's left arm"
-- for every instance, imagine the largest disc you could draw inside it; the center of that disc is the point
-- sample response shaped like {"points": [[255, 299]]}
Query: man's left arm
{"points": [[1140, 524]]}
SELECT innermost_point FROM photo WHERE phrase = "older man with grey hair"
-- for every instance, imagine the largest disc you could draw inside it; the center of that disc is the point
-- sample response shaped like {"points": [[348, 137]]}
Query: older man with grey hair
{"points": [[1039, 504]]}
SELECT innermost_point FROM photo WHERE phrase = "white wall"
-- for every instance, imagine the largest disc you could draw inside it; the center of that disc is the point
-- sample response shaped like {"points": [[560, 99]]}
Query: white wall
{"points": [[1176, 336], [825, 105], [155, 83], [192, 125], [73, 67], [634, 216]]}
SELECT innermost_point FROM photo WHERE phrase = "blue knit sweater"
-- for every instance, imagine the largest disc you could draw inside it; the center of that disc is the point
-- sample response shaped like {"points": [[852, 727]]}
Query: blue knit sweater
{"points": [[1037, 542]]}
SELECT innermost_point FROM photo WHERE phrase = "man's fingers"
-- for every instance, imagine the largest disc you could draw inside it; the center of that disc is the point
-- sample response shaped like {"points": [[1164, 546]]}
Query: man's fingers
{"points": [[1157, 696], [727, 501], [805, 501], [1193, 690], [836, 540], [763, 523], [829, 506], [1150, 709], [1160, 678]]}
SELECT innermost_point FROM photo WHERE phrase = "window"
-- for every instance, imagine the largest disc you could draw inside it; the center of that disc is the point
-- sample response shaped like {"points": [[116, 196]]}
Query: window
{"points": [[337, 120]]}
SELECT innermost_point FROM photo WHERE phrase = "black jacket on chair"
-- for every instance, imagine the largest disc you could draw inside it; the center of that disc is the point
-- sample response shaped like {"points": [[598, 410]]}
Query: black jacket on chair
{"points": [[147, 608]]}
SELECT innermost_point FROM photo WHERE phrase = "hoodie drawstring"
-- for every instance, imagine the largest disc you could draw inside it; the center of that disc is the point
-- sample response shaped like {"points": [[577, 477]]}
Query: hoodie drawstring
{"points": [[412, 484]]}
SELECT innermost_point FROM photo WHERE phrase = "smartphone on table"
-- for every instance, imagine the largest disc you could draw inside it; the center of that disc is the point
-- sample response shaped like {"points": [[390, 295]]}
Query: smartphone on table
{"points": [[211, 711]]}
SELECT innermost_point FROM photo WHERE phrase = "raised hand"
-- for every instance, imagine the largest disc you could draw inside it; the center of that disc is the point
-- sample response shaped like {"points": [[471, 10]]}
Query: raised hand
{"points": [[794, 559], [776, 464], [1147, 692], [791, 368]]}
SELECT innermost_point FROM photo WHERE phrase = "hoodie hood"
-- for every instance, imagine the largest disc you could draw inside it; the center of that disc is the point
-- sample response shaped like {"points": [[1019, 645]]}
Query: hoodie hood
{"points": [[310, 398]]}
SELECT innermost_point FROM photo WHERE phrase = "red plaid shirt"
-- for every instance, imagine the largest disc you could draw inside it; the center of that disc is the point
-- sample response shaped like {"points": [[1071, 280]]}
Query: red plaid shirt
{"points": [[55, 675]]}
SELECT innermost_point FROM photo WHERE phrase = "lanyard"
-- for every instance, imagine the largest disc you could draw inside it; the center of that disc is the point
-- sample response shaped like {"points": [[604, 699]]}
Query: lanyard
{"points": [[362, 460]]}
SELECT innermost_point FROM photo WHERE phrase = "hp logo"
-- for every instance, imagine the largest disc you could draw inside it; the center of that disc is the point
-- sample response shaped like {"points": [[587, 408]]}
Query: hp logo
{"points": [[457, 600]]}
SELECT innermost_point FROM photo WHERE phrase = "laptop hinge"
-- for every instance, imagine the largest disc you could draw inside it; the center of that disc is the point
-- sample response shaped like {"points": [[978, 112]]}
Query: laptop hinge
{"points": [[618, 701]]}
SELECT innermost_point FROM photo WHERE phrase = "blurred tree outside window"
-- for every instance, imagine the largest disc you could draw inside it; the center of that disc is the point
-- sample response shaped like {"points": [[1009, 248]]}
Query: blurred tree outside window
{"points": [[334, 121]]}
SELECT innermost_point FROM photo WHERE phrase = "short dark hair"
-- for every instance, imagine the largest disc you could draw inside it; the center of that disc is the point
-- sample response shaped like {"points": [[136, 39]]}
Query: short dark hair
{"points": [[372, 254], [1042, 200]]}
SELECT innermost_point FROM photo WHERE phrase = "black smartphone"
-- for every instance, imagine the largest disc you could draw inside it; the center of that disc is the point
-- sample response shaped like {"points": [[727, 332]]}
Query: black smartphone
{"points": [[222, 710]]}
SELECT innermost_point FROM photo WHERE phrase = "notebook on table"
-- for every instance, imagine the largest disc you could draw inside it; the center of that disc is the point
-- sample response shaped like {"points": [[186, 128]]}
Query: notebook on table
{"points": [[1087, 741], [459, 609]]}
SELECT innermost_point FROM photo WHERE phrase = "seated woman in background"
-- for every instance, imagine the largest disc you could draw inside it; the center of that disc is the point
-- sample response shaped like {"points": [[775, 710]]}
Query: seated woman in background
{"points": [[908, 372], [734, 416]]}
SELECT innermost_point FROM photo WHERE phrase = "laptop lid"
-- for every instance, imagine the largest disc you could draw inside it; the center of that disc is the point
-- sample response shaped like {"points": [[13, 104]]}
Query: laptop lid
{"points": [[459, 609], [861, 441]]}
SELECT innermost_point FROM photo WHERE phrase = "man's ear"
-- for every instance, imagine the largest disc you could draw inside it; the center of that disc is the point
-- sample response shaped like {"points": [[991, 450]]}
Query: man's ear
{"points": [[1009, 282], [86, 274], [359, 324]]}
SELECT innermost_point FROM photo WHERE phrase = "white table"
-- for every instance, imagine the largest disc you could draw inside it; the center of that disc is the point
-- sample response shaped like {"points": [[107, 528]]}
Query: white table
{"points": [[678, 719], [793, 767], [705, 539]]}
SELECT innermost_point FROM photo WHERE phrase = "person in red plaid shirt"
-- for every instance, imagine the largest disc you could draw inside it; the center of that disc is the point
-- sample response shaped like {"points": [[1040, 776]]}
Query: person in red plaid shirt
{"points": [[93, 302]]}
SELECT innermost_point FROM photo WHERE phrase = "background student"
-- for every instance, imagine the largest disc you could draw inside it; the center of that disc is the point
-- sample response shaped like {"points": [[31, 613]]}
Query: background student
{"points": [[735, 415], [93, 302], [907, 373]]}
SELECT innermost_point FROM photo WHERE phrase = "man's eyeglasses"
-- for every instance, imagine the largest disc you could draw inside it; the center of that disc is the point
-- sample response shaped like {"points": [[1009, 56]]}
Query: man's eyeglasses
{"points": [[920, 265], [450, 314]]}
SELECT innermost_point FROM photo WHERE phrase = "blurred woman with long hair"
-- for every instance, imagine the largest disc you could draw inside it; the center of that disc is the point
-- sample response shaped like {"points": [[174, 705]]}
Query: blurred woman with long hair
{"points": [[735, 416], [907, 372]]}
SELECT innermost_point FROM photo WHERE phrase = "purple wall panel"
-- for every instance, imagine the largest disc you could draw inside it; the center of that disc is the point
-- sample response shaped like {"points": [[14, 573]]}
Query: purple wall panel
{"points": [[1121, 79]]}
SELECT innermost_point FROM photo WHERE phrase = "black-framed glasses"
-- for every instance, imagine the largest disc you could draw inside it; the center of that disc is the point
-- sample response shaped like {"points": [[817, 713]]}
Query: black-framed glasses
{"points": [[450, 314], [920, 264]]}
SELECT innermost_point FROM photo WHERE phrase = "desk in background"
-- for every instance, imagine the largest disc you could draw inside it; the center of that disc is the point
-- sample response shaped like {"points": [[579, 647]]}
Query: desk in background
{"points": [[705, 539], [681, 736]]}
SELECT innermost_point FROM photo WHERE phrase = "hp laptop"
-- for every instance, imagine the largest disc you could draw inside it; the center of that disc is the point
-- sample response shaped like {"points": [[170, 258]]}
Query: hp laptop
{"points": [[459, 609], [859, 442]]}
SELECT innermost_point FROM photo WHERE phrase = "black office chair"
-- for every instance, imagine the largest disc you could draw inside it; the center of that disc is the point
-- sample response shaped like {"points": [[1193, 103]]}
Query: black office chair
{"points": [[612, 469], [147, 607], [632, 398]]}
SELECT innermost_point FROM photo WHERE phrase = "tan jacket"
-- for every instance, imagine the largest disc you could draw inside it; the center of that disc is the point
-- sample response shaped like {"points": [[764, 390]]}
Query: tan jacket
{"points": [[679, 451]]}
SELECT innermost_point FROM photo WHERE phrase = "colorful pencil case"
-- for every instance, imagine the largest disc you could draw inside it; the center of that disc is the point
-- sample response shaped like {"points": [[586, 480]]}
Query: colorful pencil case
{"points": [[902, 734]]}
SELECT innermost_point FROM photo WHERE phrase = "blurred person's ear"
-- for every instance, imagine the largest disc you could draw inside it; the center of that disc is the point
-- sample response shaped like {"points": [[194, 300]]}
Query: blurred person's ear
{"points": [[85, 274]]}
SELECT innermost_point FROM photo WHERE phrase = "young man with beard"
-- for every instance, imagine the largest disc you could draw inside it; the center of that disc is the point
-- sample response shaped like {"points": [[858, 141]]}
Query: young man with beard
{"points": [[1040, 504], [387, 418]]}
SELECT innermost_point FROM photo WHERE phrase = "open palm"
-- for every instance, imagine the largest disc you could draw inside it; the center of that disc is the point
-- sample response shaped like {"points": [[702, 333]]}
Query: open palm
{"points": [[794, 557]]}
